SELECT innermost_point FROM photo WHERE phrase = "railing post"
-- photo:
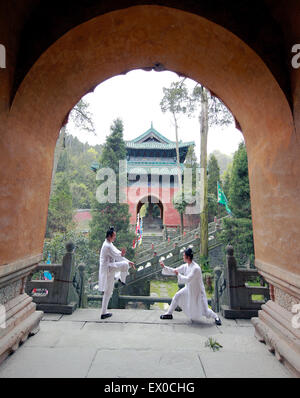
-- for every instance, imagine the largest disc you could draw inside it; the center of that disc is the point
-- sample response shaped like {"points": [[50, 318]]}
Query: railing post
{"points": [[82, 295], [232, 278], [64, 290], [217, 293]]}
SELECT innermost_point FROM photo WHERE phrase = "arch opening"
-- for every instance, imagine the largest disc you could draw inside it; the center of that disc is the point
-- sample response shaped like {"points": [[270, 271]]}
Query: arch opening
{"points": [[153, 213], [124, 40]]}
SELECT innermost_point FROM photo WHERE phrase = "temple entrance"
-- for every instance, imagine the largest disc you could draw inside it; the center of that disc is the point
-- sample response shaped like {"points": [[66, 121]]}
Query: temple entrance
{"points": [[151, 210]]}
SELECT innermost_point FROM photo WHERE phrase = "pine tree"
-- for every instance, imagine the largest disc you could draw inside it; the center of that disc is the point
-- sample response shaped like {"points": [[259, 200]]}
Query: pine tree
{"points": [[226, 180], [112, 214], [239, 191], [238, 230], [213, 175], [60, 210]]}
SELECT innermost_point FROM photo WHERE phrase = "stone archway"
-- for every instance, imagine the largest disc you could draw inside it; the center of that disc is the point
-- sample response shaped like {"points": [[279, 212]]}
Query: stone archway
{"points": [[180, 41], [152, 222], [121, 41]]}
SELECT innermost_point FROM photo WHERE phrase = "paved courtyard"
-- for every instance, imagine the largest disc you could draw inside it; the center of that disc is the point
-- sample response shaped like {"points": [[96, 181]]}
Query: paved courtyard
{"points": [[136, 343]]}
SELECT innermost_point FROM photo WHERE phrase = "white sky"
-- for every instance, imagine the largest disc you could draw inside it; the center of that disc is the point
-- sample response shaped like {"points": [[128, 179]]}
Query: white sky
{"points": [[135, 98]]}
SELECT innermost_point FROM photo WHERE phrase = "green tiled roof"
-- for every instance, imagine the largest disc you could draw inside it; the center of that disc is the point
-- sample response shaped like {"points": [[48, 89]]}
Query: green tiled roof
{"points": [[157, 145], [155, 133], [164, 143]]}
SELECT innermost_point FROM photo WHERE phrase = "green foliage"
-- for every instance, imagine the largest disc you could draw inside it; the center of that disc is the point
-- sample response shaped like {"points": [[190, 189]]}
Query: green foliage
{"points": [[226, 177], [218, 113], [239, 190], [212, 204], [238, 230], [212, 180], [213, 344], [191, 163], [238, 233], [75, 162], [83, 254], [82, 117], [204, 263], [179, 202], [114, 148], [223, 159], [176, 99], [60, 210], [112, 214], [213, 176]]}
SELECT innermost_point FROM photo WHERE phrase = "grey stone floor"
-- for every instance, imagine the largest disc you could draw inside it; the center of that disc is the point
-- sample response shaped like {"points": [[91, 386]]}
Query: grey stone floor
{"points": [[136, 343]]}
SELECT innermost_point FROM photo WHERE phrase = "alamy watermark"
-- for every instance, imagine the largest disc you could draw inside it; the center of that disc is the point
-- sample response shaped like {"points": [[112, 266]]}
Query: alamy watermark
{"points": [[2, 56], [296, 58], [135, 186]]}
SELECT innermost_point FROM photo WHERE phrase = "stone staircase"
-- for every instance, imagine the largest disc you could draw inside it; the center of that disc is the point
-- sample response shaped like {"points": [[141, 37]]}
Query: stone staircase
{"points": [[150, 238]]}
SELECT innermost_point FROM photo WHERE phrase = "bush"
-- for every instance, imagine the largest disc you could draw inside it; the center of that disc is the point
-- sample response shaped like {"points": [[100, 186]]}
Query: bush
{"points": [[238, 232]]}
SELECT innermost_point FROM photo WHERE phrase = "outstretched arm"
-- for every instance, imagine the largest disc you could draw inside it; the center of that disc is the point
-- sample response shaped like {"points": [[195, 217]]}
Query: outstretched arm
{"points": [[169, 270]]}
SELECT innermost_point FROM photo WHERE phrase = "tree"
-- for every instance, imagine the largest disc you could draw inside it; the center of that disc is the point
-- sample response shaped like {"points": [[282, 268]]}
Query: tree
{"points": [[212, 112], [238, 233], [82, 119], [213, 170], [212, 181], [223, 160], [239, 191], [191, 163], [56, 247], [176, 101], [108, 214], [60, 211], [75, 162], [226, 180], [238, 229]]}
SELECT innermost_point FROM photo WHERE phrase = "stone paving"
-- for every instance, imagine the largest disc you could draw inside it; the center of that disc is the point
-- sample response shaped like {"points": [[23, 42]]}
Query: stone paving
{"points": [[136, 343]]}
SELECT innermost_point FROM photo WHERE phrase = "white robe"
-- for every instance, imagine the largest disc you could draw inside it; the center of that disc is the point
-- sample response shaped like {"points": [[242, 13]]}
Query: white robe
{"points": [[192, 298], [110, 260]]}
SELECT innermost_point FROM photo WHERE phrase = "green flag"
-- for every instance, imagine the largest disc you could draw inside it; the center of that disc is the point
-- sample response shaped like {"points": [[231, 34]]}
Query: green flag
{"points": [[222, 199]]}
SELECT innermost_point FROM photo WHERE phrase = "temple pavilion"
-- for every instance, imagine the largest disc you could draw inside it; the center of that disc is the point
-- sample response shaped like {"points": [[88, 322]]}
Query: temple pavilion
{"points": [[153, 178]]}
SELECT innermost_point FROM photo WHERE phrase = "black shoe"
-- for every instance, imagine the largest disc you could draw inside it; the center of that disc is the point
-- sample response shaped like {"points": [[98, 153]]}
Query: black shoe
{"points": [[103, 316], [167, 316], [218, 321], [122, 283]]}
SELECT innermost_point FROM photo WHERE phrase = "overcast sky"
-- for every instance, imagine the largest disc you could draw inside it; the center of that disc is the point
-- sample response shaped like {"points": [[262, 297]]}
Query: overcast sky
{"points": [[135, 98]]}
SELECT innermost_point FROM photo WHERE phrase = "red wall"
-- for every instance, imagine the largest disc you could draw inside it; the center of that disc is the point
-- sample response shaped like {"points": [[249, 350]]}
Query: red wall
{"points": [[170, 215]]}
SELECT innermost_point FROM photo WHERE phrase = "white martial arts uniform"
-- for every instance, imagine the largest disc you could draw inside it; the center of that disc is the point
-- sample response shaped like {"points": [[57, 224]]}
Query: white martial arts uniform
{"points": [[111, 265], [192, 298]]}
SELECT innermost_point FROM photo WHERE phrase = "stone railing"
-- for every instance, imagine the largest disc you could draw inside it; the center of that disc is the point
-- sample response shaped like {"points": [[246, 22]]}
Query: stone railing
{"points": [[120, 301], [188, 236], [233, 295], [65, 291], [147, 270], [172, 258], [166, 245]]}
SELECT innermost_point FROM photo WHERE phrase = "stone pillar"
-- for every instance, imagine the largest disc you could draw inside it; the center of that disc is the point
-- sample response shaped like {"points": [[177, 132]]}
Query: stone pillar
{"points": [[274, 324], [18, 316]]}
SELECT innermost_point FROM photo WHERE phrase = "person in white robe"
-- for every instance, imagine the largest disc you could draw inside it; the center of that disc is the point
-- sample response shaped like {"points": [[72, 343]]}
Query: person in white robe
{"points": [[112, 265], [192, 298]]}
